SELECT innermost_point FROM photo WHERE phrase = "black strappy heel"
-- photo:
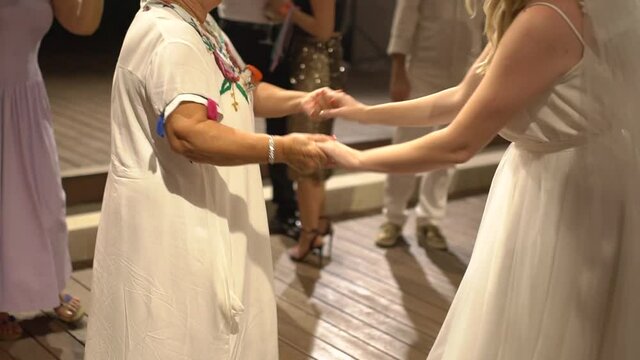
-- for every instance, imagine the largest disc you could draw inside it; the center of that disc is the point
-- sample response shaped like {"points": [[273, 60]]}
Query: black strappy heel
{"points": [[314, 246], [327, 231]]}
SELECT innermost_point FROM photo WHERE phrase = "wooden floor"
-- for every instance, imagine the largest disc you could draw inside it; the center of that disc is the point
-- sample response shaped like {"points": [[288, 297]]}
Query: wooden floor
{"points": [[366, 303]]}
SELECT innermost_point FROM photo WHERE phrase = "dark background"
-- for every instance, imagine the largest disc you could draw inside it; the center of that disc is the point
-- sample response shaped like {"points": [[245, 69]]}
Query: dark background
{"points": [[63, 52]]}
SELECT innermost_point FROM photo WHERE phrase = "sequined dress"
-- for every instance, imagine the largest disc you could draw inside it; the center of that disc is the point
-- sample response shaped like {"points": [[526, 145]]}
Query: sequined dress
{"points": [[314, 64]]}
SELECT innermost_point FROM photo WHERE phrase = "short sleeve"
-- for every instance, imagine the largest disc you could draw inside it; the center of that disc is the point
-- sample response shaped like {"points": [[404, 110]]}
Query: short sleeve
{"points": [[178, 73]]}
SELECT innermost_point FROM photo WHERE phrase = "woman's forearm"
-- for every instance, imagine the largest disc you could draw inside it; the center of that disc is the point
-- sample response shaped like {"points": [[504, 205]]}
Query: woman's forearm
{"points": [[433, 151], [437, 109], [199, 139], [212, 143], [270, 101]]}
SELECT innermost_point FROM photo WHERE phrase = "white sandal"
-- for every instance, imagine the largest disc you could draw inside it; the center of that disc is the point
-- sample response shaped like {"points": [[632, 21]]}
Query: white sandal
{"points": [[67, 311]]}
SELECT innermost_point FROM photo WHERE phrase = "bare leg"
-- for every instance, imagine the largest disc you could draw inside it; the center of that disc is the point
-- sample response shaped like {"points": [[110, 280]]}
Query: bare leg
{"points": [[311, 194]]}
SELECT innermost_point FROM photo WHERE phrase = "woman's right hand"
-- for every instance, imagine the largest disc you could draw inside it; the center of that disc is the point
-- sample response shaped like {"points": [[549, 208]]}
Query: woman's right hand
{"points": [[344, 106], [301, 151], [273, 10], [340, 155]]}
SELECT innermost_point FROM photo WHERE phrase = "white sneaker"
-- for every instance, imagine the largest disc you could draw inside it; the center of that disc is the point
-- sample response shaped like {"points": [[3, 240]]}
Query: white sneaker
{"points": [[389, 235]]}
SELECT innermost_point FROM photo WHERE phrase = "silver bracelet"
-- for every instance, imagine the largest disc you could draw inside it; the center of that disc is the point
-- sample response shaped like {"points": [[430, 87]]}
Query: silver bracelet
{"points": [[272, 150]]}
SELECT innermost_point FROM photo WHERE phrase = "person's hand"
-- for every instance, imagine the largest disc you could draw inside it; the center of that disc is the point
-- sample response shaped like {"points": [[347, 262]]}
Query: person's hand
{"points": [[314, 102], [273, 10], [340, 155], [342, 105], [301, 151], [399, 86]]}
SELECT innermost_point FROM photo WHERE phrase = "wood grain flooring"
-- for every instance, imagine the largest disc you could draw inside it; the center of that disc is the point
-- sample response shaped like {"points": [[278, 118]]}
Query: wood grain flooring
{"points": [[366, 303]]}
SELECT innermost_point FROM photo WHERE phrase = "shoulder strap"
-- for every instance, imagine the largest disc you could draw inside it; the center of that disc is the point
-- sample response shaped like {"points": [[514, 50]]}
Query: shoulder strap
{"points": [[564, 16]]}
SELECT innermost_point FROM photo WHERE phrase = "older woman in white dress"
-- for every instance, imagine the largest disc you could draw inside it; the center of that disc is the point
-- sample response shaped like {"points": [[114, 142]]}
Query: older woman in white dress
{"points": [[183, 265]]}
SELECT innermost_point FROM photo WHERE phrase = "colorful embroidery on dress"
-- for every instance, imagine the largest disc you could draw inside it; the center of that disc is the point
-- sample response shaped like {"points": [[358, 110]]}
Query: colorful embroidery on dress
{"points": [[216, 44]]}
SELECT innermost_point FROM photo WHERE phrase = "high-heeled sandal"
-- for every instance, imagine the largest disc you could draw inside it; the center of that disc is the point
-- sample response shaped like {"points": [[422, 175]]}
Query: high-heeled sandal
{"points": [[327, 231], [316, 246], [11, 329]]}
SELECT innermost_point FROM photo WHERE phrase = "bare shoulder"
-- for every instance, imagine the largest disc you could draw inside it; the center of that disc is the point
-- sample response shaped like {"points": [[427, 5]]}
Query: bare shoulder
{"points": [[540, 35]]}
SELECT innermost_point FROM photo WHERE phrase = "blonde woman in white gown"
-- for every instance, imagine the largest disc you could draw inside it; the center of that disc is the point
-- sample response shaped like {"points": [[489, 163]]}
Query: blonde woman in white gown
{"points": [[552, 272]]}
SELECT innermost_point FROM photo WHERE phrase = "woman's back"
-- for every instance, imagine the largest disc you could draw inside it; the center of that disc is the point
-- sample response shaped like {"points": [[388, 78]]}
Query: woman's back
{"points": [[341, 12], [23, 24]]}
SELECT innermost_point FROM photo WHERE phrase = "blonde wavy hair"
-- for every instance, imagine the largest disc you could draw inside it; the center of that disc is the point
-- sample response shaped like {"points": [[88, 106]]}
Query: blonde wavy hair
{"points": [[499, 14]]}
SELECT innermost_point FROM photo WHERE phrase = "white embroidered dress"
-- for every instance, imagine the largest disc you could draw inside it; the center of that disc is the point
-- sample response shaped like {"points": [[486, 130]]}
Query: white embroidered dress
{"points": [[183, 264]]}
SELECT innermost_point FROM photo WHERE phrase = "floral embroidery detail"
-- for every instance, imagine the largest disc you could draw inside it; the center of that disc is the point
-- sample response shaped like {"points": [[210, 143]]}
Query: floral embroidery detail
{"points": [[216, 44]]}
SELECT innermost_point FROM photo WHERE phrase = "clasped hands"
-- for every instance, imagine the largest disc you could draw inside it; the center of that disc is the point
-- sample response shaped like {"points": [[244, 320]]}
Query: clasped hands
{"points": [[309, 152]]}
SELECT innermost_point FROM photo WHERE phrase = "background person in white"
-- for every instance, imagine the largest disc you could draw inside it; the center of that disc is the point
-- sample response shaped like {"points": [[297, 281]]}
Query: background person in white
{"points": [[433, 43]]}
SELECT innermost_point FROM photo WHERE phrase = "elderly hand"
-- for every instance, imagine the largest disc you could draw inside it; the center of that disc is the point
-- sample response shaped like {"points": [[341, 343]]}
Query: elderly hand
{"points": [[301, 151], [341, 155], [341, 104], [316, 101]]}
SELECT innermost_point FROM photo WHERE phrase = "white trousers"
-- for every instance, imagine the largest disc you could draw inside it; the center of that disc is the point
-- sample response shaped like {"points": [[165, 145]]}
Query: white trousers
{"points": [[434, 185], [434, 188]]}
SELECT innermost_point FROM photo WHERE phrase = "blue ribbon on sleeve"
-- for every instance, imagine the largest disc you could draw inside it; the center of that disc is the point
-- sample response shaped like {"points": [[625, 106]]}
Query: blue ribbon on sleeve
{"points": [[160, 126]]}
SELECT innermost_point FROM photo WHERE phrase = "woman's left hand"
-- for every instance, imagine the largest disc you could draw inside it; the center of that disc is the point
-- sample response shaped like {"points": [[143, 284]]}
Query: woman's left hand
{"points": [[341, 155], [315, 102], [273, 9]]}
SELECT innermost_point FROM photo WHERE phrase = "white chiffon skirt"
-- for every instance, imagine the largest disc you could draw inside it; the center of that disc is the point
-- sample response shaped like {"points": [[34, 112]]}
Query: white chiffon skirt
{"points": [[552, 272]]}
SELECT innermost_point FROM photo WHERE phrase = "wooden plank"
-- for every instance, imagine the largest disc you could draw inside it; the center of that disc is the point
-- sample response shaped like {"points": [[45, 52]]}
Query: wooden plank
{"points": [[82, 121], [51, 335], [407, 269], [82, 145], [399, 313], [26, 348], [426, 315], [386, 286], [304, 341], [291, 314], [408, 259], [84, 277], [337, 314], [289, 352], [397, 326], [396, 289]]}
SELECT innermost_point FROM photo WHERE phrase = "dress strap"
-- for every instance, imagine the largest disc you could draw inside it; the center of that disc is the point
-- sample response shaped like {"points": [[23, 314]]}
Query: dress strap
{"points": [[564, 16]]}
